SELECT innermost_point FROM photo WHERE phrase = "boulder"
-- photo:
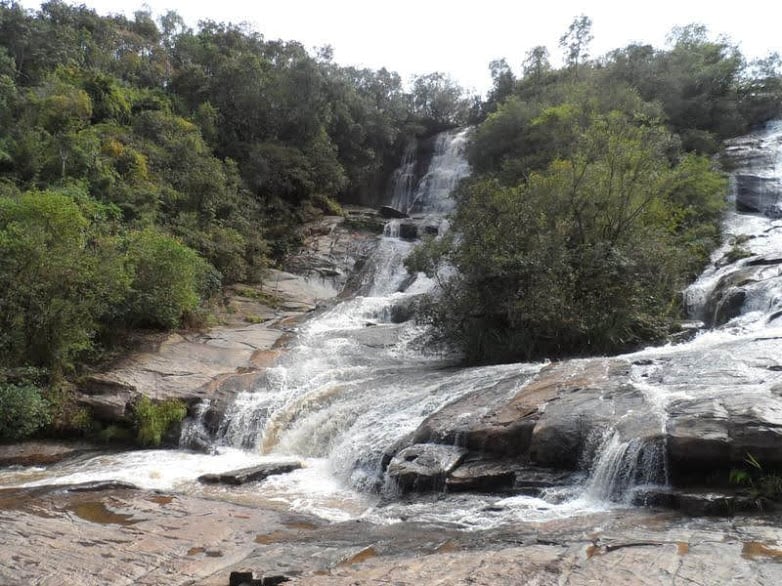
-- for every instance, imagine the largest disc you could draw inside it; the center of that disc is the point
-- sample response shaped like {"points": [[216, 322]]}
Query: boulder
{"points": [[729, 306], [706, 438], [424, 466], [251, 474], [408, 231], [482, 475], [404, 309], [485, 420]]}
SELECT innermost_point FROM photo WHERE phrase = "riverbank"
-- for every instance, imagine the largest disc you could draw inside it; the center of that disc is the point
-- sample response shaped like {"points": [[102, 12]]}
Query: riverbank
{"points": [[122, 536], [252, 325]]}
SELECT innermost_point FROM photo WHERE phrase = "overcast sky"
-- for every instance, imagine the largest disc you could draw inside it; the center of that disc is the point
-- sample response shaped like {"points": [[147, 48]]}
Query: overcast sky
{"points": [[461, 38]]}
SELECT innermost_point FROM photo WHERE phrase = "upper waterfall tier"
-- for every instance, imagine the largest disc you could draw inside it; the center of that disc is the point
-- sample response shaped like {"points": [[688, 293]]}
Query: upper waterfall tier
{"points": [[432, 193]]}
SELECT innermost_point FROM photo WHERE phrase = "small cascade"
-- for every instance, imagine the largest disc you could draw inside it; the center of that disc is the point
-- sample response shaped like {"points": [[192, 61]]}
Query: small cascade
{"points": [[353, 383], [621, 467], [742, 287], [405, 179]]}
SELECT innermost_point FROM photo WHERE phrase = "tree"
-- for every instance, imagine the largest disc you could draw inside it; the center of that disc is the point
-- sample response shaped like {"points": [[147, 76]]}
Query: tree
{"points": [[536, 63], [583, 257], [575, 41], [503, 81], [438, 99], [57, 278]]}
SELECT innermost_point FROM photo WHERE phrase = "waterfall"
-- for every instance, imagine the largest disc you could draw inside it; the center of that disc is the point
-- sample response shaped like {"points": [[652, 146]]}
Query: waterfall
{"points": [[746, 292], [432, 194], [622, 466], [351, 385]]}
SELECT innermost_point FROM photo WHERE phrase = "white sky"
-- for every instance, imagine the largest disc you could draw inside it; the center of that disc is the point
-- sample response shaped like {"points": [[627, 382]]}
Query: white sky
{"points": [[461, 38]]}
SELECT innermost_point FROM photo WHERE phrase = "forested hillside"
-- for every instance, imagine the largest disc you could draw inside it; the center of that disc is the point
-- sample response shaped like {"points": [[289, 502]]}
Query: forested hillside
{"points": [[595, 196], [145, 164]]}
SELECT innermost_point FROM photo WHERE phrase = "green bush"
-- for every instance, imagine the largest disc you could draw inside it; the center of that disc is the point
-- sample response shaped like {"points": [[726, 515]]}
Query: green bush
{"points": [[57, 277], [583, 258], [168, 278], [23, 411], [154, 420]]}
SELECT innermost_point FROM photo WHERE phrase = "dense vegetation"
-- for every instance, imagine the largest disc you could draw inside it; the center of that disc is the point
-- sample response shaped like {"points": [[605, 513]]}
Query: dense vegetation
{"points": [[144, 164], [594, 199]]}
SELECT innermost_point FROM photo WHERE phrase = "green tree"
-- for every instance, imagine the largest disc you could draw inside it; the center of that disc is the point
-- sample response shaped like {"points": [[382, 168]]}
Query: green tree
{"points": [[168, 280], [57, 278], [23, 411], [583, 257], [576, 40]]}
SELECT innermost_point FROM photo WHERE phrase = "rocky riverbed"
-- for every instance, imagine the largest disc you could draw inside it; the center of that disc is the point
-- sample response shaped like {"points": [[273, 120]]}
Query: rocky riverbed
{"points": [[122, 536]]}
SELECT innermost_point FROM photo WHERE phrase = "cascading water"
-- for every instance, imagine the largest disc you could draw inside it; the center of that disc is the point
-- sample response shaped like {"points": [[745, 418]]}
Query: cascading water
{"points": [[355, 382], [432, 194]]}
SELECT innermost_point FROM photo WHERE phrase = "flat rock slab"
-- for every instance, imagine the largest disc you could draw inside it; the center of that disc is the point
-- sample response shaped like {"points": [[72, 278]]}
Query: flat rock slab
{"points": [[40, 452], [251, 474]]}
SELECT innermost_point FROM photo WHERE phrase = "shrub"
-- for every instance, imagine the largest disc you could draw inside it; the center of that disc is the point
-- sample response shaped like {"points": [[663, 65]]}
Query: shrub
{"points": [[154, 420], [168, 278], [23, 411]]}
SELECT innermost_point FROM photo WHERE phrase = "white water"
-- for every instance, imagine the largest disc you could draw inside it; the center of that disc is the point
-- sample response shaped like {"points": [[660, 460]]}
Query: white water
{"points": [[354, 384], [433, 193]]}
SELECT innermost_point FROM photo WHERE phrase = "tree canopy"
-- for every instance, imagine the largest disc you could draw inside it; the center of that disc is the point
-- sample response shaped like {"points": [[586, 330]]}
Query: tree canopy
{"points": [[594, 199]]}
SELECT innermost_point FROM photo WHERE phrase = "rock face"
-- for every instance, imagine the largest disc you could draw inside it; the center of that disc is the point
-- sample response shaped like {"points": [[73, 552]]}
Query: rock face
{"points": [[756, 193], [391, 212], [529, 432], [125, 537]]}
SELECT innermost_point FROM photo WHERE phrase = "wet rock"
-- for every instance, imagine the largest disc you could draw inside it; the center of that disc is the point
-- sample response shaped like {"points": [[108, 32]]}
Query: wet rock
{"points": [[424, 466], [765, 260], [378, 335], [700, 504], [532, 480], [101, 485], [729, 306], [755, 193], [251, 474], [41, 452], [488, 419], [431, 229], [707, 436], [404, 310], [547, 419], [408, 231], [391, 212], [242, 579], [482, 476]]}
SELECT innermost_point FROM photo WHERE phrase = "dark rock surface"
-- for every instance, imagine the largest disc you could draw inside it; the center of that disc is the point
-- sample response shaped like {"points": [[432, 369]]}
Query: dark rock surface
{"points": [[756, 193], [424, 466], [251, 474], [391, 212]]}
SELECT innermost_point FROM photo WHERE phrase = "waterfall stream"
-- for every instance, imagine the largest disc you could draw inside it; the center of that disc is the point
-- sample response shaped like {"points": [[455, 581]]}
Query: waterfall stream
{"points": [[354, 382]]}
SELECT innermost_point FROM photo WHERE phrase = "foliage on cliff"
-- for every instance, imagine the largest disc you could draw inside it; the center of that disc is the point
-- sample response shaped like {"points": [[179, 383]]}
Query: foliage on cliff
{"points": [[143, 164], [592, 201]]}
